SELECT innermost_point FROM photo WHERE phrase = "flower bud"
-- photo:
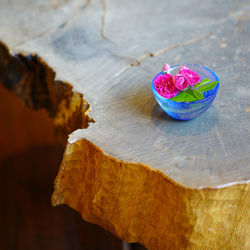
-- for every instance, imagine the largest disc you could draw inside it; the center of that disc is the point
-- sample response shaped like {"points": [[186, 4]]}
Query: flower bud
{"points": [[166, 67]]}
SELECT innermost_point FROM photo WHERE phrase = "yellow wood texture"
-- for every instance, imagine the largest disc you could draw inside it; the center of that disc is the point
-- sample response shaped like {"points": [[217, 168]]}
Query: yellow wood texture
{"points": [[140, 204]]}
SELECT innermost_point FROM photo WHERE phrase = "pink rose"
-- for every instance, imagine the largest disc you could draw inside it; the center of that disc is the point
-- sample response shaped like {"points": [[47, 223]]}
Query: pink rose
{"points": [[180, 81], [164, 86], [191, 77], [166, 67]]}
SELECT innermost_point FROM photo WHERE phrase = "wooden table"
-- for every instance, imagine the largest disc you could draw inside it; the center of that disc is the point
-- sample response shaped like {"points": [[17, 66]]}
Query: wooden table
{"points": [[127, 166]]}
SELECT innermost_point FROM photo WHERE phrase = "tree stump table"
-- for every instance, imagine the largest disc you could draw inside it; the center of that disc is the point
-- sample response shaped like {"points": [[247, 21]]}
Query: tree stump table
{"points": [[127, 166]]}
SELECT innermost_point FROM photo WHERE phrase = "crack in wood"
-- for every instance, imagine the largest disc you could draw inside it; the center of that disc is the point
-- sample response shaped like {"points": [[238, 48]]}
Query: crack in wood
{"points": [[84, 6], [137, 62], [103, 21], [165, 50], [60, 26]]}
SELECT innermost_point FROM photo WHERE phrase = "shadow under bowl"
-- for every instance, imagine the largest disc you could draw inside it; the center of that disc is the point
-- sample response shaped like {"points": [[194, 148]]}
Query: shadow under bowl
{"points": [[188, 110]]}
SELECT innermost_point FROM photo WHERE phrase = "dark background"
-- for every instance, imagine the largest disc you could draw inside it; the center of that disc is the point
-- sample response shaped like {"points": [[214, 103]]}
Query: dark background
{"points": [[29, 161]]}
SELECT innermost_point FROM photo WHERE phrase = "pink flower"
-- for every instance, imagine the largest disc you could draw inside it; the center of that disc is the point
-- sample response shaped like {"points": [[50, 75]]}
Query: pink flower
{"points": [[166, 67], [164, 86], [191, 77], [180, 81]]}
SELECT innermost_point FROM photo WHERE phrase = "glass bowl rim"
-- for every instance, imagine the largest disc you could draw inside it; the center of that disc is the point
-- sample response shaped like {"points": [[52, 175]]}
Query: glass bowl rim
{"points": [[199, 101]]}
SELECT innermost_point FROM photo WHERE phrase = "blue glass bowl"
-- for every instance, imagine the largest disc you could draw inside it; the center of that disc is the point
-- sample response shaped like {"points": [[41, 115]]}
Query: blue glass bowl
{"points": [[188, 110]]}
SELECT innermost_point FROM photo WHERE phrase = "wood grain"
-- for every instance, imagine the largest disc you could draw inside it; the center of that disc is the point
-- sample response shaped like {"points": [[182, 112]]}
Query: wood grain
{"points": [[140, 204], [135, 171]]}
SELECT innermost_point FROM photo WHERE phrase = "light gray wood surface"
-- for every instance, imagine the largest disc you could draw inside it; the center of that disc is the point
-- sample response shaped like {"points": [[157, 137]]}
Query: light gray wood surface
{"points": [[110, 52]]}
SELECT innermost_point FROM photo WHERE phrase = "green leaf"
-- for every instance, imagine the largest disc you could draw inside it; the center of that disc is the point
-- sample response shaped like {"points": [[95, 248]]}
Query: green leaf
{"points": [[208, 86], [197, 94], [180, 97], [190, 96], [203, 82]]}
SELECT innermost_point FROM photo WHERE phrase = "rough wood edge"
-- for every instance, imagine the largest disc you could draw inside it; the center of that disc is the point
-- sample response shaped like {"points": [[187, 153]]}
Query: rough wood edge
{"points": [[34, 83], [140, 204]]}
